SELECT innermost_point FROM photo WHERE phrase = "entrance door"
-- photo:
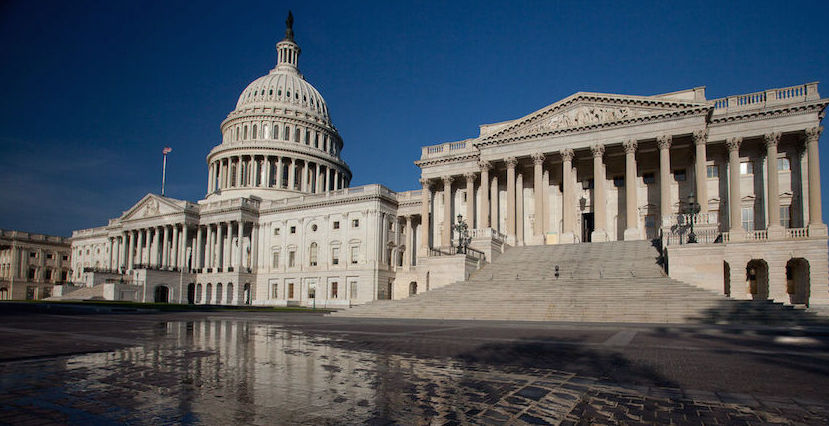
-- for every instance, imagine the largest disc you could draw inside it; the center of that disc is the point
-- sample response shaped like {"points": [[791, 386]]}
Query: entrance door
{"points": [[586, 226], [162, 294]]}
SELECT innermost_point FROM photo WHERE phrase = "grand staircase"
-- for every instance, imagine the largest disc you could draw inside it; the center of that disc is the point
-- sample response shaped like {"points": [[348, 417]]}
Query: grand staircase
{"points": [[597, 282]]}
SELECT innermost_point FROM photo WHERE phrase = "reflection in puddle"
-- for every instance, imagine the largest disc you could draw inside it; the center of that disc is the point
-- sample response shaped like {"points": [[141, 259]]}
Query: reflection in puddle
{"points": [[227, 371]]}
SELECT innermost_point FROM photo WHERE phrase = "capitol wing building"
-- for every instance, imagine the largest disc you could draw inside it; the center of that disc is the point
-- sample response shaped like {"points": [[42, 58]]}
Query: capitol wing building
{"points": [[280, 224]]}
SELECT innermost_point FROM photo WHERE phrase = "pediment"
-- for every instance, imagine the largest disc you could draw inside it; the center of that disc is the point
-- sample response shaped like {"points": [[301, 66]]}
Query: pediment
{"points": [[152, 206], [590, 110]]}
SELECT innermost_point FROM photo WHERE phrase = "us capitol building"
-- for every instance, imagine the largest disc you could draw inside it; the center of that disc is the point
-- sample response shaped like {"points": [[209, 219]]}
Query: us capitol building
{"points": [[280, 224]]}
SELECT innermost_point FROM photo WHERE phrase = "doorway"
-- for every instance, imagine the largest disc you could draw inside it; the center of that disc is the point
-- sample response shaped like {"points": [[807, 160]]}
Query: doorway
{"points": [[586, 226], [162, 294]]}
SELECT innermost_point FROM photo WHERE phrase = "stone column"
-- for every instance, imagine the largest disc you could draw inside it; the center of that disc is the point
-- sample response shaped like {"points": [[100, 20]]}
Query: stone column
{"points": [[142, 236], [182, 259], [599, 196], [304, 181], [538, 197], [519, 208], [208, 246], [239, 171], [773, 200], [425, 197], [279, 172], [240, 230], [199, 250], [165, 249], [227, 253], [407, 252], [153, 258], [446, 239], [470, 199], [494, 220], [700, 174], [816, 225], [511, 163], [131, 250], [665, 210], [292, 175], [173, 262], [484, 212], [210, 179], [736, 231], [568, 222], [631, 203], [122, 261], [219, 246], [545, 199]]}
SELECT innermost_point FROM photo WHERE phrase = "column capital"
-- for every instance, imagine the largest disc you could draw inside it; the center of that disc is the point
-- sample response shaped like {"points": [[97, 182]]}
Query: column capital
{"points": [[511, 162], [470, 177], [447, 180], [733, 144], [700, 136], [567, 154], [598, 150], [538, 158], [630, 146], [426, 184], [664, 141], [484, 165], [772, 139], [813, 134]]}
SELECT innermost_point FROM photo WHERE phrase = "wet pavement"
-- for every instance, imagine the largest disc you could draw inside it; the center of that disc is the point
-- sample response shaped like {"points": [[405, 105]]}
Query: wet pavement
{"points": [[254, 368]]}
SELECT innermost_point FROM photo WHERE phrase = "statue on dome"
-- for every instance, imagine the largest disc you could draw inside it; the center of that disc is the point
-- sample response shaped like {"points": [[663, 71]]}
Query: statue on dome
{"points": [[289, 26]]}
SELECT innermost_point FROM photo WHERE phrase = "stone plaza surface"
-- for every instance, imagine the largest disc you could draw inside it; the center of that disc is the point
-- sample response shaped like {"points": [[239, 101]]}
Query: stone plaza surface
{"points": [[305, 368]]}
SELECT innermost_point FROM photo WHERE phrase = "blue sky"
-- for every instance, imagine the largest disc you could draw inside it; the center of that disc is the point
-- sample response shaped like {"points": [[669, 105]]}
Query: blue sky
{"points": [[90, 92]]}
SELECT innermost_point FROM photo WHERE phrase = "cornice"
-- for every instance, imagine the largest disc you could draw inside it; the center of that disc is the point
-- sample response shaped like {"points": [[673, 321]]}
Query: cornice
{"points": [[759, 114], [328, 203], [448, 160]]}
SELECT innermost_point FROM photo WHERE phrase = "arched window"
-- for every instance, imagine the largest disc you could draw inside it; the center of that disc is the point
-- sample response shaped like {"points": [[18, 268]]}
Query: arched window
{"points": [[245, 133], [314, 253], [287, 133], [275, 131], [208, 293], [219, 293], [254, 132], [230, 293]]}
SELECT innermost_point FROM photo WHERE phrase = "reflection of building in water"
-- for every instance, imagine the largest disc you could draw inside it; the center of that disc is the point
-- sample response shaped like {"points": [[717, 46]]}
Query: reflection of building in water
{"points": [[279, 224]]}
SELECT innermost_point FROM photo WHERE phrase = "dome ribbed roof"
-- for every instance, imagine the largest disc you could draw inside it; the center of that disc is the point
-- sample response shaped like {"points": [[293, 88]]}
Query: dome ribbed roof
{"points": [[283, 88]]}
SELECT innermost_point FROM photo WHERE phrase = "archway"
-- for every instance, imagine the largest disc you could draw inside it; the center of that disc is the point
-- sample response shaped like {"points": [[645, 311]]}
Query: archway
{"points": [[726, 278], [4, 294], [198, 293], [162, 294], [757, 279], [797, 281], [191, 293], [218, 293], [230, 293], [412, 288], [247, 293]]}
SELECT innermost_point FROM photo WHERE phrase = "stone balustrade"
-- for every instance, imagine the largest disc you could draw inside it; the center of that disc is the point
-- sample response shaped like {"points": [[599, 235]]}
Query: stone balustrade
{"points": [[759, 100]]}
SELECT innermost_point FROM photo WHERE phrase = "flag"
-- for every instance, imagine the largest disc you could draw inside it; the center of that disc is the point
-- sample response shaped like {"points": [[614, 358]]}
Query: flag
{"points": [[166, 150]]}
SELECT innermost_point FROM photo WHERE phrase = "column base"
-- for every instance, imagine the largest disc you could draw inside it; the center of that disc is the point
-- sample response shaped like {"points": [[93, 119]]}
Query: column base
{"points": [[776, 232], [537, 240], [598, 236], [567, 238], [632, 234], [817, 230]]}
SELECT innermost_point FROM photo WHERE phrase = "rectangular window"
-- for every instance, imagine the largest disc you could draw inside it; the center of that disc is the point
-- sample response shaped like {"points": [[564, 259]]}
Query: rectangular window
{"points": [[290, 290], [335, 256], [748, 218], [65, 257], [785, 216], [712, 171], [293, 229], [618, 181], [353, 294], [276, 259], [355, 223], [313, 254], [275, 291], [355, 254], [292, 258], [49, 256], [276, 231], [783, 164], [679, 175], [336, 224], [307, 137], [747, 167], [648, 178], [33, 254], [334, 290], [588, 184]]}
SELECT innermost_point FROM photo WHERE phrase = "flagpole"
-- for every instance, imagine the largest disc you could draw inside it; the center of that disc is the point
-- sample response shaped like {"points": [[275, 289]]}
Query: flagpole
{"points": [[163, 173]]}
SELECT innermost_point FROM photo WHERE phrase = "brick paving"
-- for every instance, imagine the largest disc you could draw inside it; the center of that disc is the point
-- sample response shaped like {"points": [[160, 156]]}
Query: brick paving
{"points": [[252, 370]]}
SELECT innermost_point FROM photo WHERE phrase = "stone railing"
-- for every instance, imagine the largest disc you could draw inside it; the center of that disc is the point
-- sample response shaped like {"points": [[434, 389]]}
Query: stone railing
{"points": [[797, 233], [713, 236], [758, 100], [699, 219], [757, 235], [487, 233], [445, 149]]}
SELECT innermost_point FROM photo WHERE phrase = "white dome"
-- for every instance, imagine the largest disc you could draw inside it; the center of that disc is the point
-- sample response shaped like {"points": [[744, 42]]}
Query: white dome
{"points": [[283, 87]]}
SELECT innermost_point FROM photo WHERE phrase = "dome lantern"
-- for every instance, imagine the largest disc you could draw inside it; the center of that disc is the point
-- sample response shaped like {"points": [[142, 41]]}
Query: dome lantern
{"points": [[287, 51]]}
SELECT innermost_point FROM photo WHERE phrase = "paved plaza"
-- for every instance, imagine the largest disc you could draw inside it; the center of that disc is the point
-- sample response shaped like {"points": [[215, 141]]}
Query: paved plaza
{"points": [[306, 368]]}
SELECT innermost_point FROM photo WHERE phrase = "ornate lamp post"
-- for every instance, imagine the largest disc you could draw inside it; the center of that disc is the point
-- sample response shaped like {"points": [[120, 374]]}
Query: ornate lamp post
{"points": [[693, 209], [463, 235]]}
